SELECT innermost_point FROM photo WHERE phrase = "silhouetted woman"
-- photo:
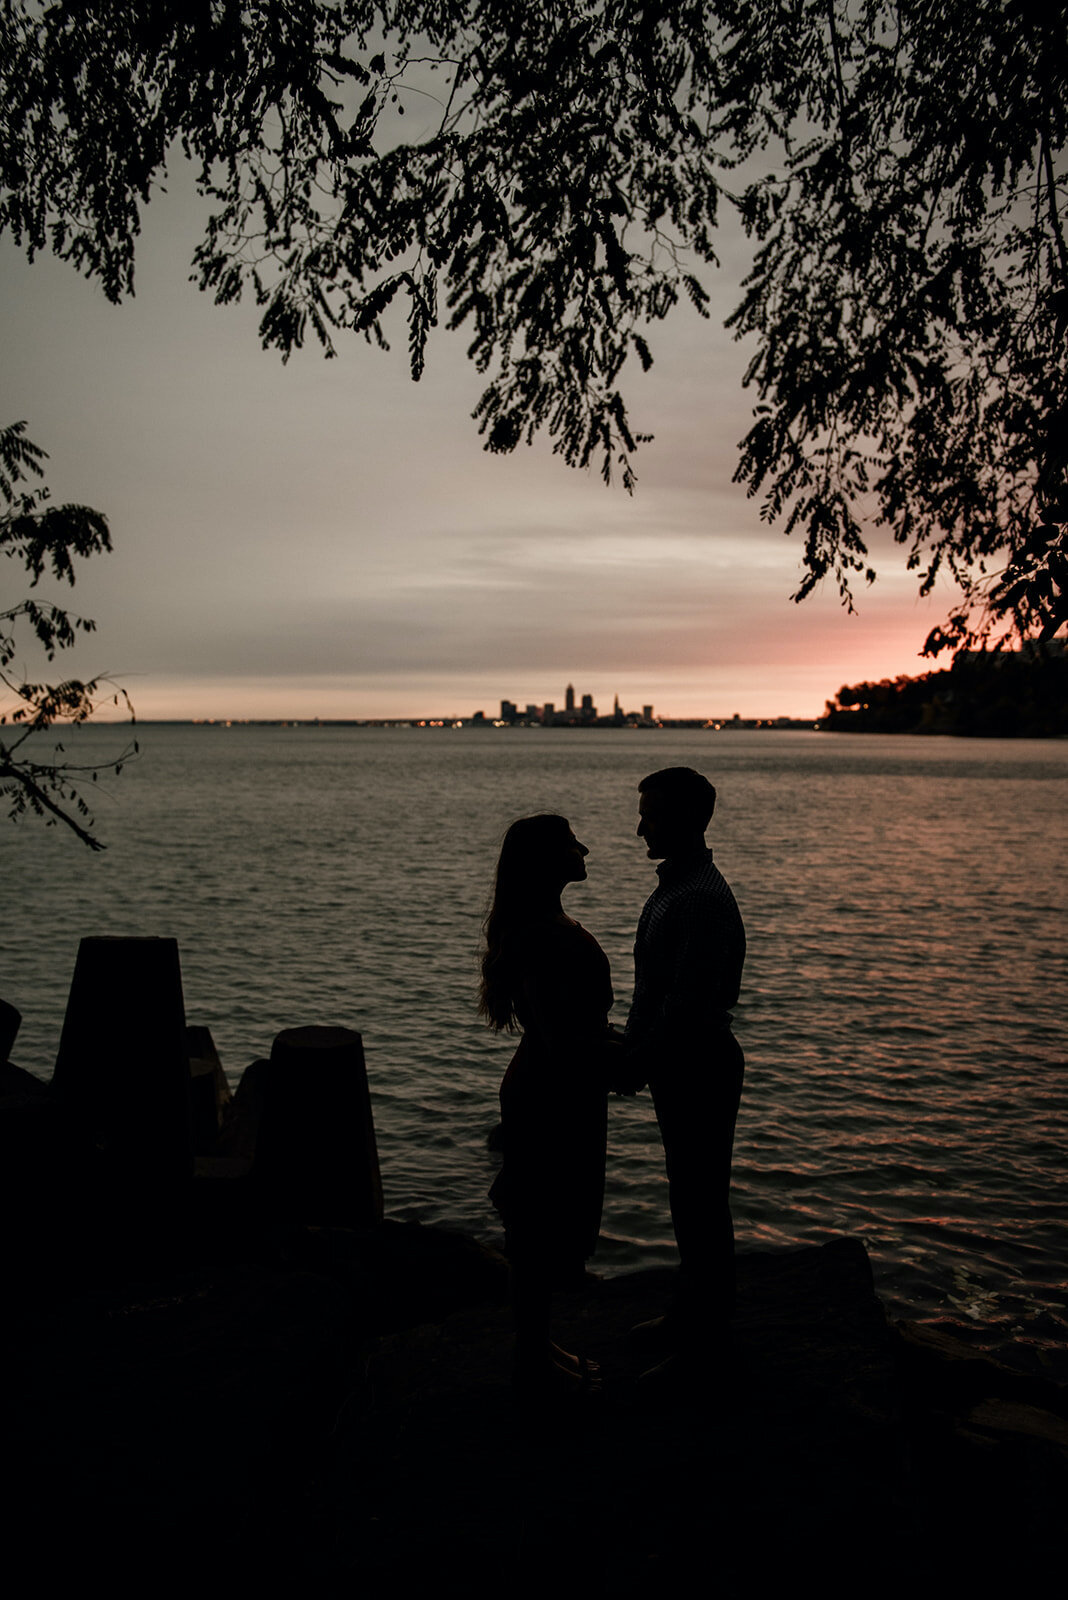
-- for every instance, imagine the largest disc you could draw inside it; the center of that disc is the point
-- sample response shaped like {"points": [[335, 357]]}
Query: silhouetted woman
{"points": [[545, 974]]}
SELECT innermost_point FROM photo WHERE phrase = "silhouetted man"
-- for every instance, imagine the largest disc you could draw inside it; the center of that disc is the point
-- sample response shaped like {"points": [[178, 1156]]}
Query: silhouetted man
{"points": [[688, 956]]}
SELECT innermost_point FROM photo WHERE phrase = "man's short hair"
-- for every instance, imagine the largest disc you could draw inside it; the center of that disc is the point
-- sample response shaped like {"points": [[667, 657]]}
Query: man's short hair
{"points": [[688, 793]]}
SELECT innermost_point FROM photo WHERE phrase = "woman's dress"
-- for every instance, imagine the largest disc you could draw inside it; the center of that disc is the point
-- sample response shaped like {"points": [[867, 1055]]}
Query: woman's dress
{"points": [[553, 1100]]}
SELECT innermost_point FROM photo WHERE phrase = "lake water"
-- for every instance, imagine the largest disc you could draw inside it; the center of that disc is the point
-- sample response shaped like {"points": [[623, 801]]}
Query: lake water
{"points": [[902, 1015]]}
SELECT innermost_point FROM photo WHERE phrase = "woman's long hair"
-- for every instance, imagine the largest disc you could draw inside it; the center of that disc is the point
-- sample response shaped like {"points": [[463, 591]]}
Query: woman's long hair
{"points": [[524, 891]]}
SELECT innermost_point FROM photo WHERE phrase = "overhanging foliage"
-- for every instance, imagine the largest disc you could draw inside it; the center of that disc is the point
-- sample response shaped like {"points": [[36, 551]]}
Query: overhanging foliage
{"points": [[899, 167], [44, 538]]}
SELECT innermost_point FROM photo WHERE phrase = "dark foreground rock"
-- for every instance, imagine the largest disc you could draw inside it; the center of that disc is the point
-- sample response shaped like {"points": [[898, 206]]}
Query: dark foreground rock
{"points": [[337, 1415]]}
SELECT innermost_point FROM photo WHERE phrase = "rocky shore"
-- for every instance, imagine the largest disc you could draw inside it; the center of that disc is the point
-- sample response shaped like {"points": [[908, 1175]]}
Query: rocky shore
{"points": [[334, 1410], [200, 1388]]}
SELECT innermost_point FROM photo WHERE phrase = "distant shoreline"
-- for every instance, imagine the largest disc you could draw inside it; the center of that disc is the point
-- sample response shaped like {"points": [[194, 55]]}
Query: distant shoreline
{"points": [[604, 724], [838, 725]]}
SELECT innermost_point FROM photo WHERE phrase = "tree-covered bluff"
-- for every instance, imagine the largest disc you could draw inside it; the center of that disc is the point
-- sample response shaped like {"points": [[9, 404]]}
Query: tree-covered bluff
{"points": [[994, 694]]}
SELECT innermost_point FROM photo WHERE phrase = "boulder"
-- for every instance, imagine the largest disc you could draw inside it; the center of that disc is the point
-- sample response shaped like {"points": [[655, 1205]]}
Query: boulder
{"points": [[303, 1120], [122, 1066], [209, 1092], [10, 1022]]}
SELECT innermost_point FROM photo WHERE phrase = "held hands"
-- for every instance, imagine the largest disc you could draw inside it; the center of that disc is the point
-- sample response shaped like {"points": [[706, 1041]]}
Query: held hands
{"points": [[621, 1071]]}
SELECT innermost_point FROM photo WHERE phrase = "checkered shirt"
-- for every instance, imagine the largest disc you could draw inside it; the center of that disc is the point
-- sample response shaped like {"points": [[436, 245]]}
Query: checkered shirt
{"points": [[688, 956]]}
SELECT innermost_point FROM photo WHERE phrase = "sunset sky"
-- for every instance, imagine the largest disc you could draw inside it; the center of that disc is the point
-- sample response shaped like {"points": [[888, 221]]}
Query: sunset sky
{"points": [[330, 539]]}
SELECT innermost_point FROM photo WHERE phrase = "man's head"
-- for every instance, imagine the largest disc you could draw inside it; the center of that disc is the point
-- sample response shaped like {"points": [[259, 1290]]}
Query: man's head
{"points": [[675, 806]]}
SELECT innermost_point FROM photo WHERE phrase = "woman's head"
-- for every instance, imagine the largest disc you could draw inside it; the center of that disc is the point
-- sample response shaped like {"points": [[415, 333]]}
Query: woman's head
{"points": [[538, 852], [539, 855]]}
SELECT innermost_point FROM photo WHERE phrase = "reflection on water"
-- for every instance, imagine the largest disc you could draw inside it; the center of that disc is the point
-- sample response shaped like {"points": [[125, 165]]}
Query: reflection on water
{"points": [[902, 1012]]}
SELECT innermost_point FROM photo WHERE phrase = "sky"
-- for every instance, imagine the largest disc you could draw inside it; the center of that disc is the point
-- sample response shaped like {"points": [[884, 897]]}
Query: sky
{"points": [[326, 538]]}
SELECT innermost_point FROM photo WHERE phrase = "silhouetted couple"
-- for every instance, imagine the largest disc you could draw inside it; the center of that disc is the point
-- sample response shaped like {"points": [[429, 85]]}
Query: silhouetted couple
{"points": [[546, 975]]}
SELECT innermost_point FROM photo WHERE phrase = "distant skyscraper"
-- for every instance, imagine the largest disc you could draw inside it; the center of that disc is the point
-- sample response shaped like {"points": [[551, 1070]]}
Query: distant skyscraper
{"points": [[589, 710], [647, 713], [569, 700]]}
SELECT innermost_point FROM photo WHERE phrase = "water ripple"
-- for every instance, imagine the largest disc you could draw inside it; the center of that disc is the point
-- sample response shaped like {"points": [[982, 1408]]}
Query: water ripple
{"points": [[902, 1015]]}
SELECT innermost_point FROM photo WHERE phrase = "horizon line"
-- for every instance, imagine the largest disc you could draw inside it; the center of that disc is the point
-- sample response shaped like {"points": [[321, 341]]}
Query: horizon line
{"points": [[456, 720]]}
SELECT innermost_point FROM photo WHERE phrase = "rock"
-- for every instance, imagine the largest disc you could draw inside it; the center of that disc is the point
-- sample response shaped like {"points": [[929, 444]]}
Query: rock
{"points": [[407, 1272], [48, 1188], [315, 1155], [10, 1022], [951, 1374], [988, 1457], [122, 1066], [169, 1428], [1016, 1424], [17, 1086], [241, 1118], [241, 1421], [776, 1468], [209, 1092]]}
